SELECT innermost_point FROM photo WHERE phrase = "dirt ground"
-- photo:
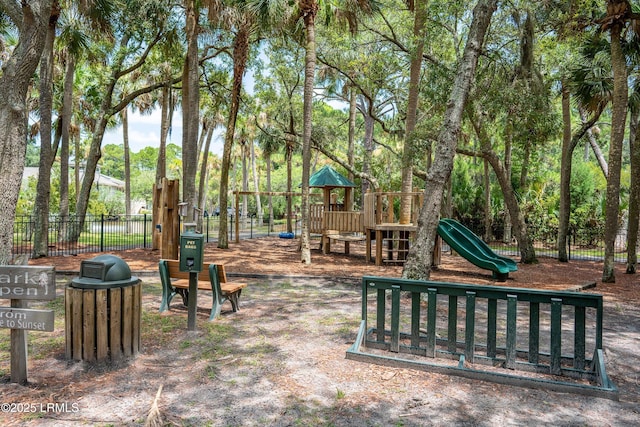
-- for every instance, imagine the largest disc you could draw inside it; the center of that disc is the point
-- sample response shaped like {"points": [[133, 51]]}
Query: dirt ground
{"points": [[280, 360]]}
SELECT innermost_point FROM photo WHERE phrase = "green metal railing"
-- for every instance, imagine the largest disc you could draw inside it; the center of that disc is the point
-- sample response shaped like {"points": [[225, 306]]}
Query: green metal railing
{"points": [[549, 333]]}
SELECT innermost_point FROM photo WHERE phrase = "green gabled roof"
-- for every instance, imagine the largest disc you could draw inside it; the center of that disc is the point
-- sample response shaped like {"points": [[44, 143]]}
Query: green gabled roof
{"points": [[328, 177]]}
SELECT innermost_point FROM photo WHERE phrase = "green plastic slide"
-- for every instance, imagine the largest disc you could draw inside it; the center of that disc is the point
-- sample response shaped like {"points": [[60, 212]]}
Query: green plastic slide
{"points": [[473, 249]]}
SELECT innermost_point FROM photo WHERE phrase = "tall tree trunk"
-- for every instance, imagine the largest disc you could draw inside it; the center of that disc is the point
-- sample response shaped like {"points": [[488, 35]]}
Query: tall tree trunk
{"points": [[488, 223], [240, 54], [204, 169], [618, 119], [368, 144], [47, 154], [289, 157], [127, 162], [32, 22], [420, 259], [76, 173], [165, 124], [634, 202], [67, 111], [408, 154], [190, 112], [310, 12], [269, 198], [593, 143], [353, 110], [507, 235], [256, 186], [525, 245], [565, 176], [245, 176]]}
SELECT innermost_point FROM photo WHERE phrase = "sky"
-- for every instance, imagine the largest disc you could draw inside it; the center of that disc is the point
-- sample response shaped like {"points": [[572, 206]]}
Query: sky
{"points": [[144, 131]]}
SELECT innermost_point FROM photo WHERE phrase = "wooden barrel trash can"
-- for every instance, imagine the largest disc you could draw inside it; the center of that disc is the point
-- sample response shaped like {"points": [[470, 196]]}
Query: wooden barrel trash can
{"points": [[102, 311]]}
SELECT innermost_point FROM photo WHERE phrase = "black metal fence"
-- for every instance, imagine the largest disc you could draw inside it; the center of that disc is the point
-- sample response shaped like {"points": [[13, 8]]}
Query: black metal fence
{"points": [[119, 232]]}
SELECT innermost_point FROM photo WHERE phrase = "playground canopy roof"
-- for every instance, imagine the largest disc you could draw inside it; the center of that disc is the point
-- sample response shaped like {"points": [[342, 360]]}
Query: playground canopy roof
{"points": [[327, 177]]}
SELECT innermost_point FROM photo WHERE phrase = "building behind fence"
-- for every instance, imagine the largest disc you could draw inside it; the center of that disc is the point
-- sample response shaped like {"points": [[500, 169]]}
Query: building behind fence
{"points": [[119, 232]]}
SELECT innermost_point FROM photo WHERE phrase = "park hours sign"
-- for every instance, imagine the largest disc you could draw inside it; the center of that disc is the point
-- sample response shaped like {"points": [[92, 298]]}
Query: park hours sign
{"points": [[19, 283], [27, 282]]}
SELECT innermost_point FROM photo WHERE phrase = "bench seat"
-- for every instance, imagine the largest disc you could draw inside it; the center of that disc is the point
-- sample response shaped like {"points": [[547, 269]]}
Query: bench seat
{"points": [[212, 278]]}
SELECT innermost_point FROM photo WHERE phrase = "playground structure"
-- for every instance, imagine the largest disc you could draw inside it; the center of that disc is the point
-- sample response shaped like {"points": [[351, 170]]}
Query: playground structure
{"points": [[332, 220], [379, 221], [474, 250]]}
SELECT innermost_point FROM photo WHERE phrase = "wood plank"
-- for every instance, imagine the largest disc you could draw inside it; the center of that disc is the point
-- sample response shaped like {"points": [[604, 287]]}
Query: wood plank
{"points": [[556, 336], [415, 319], [115, 327], [432, 300], [76, 328], [470, 326], [136, 317], [88, 325], [512, 312], [534, 332], [395, 318], [452, 324], [68, 323], [127, 321], [102, 326], [492, 318]]}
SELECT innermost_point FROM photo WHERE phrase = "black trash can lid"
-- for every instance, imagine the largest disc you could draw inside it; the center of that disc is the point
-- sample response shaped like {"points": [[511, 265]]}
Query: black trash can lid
{"points": [[102, 272]]}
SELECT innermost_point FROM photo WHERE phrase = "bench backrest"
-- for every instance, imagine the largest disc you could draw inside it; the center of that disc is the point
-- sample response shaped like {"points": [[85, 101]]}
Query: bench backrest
{"points": [[173, 267]]}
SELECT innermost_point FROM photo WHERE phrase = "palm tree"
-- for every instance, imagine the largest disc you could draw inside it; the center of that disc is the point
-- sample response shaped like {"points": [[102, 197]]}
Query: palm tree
{"points": [[306, 11], [618, 14], [270, 144], [74, 41], [47, 151], [244, 23]]}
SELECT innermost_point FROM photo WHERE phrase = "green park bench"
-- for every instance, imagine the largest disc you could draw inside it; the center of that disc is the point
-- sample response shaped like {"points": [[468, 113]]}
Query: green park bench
{"points": [[212, 278]]}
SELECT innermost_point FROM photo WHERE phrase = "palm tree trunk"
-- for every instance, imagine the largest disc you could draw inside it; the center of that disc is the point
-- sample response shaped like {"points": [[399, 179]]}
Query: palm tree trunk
{"points": [[67, 110], [634, 203], [565, 176], [353, 111], [309, 76], [240, 54], [408, 154], [190, 112], [47, 155], [618, 118], [256, 186], [204, 168], [127, 163], [165, 123]]}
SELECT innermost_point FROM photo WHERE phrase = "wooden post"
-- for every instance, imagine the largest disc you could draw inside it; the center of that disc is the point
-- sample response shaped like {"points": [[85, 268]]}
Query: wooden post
{"points": [[170, 220], [18, 349]]}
